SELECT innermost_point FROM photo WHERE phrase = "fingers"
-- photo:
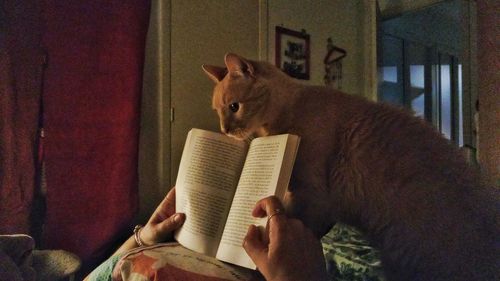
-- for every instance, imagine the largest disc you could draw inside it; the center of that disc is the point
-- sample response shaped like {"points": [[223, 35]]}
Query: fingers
{"points": [[267, 207], [255, 247], [156, 232], [273, 209], [170, 201], [275, 212], [168, 204], [172, 223], [171, 195], [163, 221], [166, 208], [280, 253]]}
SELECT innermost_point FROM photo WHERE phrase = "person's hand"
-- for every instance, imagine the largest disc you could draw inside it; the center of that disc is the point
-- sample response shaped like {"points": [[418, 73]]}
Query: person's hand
{"points": [[163, 221], [288, 250]]}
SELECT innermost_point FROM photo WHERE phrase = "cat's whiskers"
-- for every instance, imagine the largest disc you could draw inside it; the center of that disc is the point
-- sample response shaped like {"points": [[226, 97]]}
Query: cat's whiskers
{"points": [[241, 134]]}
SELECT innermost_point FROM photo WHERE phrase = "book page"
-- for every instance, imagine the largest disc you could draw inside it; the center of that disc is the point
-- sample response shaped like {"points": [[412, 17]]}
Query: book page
{"points": [[259, 179], [208, 174]]}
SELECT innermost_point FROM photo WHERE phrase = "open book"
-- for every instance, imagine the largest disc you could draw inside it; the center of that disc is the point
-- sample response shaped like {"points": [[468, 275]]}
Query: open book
{"points": [[219, 181]]}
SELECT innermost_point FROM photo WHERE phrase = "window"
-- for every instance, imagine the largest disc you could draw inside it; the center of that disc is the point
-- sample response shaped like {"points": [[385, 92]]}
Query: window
{"points": [[391, 88], [424, 80], [416, 60]]}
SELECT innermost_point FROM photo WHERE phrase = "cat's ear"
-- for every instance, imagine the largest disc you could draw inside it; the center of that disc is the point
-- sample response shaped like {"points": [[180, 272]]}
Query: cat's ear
{"points": [[215, 73], [238, 66]]}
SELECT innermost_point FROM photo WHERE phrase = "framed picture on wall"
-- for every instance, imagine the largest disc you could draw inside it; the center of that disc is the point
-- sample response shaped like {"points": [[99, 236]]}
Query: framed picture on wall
{"points": [[292, 52]]}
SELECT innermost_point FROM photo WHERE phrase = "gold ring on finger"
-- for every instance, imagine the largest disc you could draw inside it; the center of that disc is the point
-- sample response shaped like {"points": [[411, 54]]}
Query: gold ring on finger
{"points": [[276, 212]]}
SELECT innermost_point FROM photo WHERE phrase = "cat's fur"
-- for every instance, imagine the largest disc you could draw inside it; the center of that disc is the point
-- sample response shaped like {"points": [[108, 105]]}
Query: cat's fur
{"points": [[372, 166]]}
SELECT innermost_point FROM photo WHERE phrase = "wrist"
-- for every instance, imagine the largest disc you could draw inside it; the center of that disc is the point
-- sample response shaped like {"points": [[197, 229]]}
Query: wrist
{"points": [[137, 235]]}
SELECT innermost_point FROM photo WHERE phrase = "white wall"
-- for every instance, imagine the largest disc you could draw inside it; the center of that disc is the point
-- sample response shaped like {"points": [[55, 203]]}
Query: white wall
{"points": [[341, 20]]}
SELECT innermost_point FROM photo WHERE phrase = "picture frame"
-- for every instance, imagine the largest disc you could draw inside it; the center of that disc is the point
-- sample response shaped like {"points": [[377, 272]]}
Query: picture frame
{"points": [[292, 52]]}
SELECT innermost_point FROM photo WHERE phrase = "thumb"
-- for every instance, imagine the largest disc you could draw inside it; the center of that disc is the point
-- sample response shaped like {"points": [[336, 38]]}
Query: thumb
{"points": [[172, 223], [255, 247]]}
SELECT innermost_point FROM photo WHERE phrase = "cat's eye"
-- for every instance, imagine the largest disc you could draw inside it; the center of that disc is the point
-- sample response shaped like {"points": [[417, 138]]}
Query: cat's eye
{"points": [[234, 107]]}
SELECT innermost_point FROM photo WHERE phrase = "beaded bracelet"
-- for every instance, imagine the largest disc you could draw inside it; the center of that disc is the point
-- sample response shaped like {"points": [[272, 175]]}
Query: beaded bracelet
{"points": [[137, 231]]}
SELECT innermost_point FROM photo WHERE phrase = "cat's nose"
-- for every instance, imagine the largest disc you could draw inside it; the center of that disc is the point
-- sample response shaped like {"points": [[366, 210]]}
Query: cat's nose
{"points": [[225, 127]]}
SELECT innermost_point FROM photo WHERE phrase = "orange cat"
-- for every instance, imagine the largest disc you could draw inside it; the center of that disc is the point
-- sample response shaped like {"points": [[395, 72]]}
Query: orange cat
{"points": [[372, 166]]}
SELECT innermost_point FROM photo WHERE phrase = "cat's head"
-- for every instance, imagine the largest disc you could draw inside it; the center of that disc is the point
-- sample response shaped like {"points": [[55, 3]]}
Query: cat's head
{"points": [[238, 97]]}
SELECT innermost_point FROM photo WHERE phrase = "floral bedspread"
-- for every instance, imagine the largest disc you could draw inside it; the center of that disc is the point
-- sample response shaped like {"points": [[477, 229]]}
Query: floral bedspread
{"points": [[349, 256]]}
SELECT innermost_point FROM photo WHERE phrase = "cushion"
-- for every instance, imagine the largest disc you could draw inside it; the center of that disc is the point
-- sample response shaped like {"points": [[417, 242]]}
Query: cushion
{"points": [[16, 253], [171, 261], [20, 261]]}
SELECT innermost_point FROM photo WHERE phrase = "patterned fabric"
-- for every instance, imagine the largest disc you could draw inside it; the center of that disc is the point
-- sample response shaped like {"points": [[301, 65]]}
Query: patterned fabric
{"points": [[349, 256], [103, 271], [167, 261]]}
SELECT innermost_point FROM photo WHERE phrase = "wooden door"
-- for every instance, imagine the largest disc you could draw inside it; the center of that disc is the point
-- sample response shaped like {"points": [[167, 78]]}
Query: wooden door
{"points": [[201, 33]]}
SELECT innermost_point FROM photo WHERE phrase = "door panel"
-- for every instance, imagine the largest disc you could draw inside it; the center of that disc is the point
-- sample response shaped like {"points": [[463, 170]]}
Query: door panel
{"points": [[201, 33]]}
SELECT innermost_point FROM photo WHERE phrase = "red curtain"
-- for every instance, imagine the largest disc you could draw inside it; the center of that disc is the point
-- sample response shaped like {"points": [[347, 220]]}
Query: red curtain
{"points": [[91, 98], [21, 62]]}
